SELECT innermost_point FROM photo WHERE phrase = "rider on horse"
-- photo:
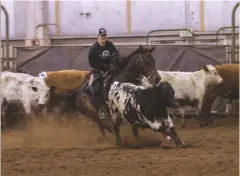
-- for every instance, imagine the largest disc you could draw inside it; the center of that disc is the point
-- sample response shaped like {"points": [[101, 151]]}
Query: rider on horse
{"points": [[102, 55]]}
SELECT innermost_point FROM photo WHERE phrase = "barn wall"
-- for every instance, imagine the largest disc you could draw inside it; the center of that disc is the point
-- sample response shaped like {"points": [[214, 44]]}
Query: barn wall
{"points": [[145, 16]]}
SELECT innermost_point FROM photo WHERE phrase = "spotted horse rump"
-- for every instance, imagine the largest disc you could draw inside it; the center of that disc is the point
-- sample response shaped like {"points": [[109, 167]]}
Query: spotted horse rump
{"points": [[142, 107]]}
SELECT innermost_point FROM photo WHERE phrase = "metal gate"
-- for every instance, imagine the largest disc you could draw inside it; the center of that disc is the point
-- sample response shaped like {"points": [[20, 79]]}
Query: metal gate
{"points": [[8, 61], [8, 53], [236, 60], [232, 53]]}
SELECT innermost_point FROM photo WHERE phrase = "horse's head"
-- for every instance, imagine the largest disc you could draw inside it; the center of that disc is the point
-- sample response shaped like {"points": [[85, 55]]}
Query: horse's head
{"points": [[141, 62]]}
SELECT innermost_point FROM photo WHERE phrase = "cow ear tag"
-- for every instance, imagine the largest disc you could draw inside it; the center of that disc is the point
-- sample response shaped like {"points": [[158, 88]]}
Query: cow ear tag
{"points": [[42, 75]]}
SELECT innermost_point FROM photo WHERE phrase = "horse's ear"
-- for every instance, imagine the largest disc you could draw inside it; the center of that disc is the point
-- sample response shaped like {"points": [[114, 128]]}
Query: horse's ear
{"points": [[152, 49], [141, 48]]}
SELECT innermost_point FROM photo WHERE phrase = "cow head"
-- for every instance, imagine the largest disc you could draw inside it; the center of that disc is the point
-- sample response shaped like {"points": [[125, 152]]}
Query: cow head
{"points": [[42, 91], [167, 94], [212, 76]]}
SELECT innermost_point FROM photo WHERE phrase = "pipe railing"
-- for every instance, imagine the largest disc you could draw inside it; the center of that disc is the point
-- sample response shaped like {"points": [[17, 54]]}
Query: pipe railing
{"points": [[45, 25], [167, 30], [7, 30], [222, 28], [233, 48], [233, 31]]}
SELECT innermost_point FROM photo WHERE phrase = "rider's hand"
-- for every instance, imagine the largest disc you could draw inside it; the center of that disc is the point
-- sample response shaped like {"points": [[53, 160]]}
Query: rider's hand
{"points": [[114, 60], [114, 56], [111, 67]]}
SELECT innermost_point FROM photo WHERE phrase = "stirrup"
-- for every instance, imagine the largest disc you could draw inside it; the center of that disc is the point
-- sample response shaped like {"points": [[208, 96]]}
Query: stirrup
{"points": [[102, 113]]}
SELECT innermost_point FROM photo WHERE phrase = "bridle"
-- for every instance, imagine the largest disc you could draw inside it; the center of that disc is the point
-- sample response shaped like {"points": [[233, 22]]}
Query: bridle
{"points": [[149, 73]]}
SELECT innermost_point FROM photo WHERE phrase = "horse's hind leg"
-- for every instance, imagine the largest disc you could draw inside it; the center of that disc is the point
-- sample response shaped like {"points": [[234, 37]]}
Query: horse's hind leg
{"points": [[135, 132], [116, 130]]}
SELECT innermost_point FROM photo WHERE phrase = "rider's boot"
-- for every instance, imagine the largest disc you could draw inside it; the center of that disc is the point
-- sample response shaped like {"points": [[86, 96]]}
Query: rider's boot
{"points": [[99, 106], [103, 111]]}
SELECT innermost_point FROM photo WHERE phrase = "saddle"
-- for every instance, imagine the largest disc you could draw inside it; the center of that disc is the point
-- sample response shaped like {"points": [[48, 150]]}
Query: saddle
{"points": [[98, 83]]}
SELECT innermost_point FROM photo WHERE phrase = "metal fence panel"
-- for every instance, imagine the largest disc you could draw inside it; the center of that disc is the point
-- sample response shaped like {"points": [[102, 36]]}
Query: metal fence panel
{"points": [[9, 63], [171, 57]]}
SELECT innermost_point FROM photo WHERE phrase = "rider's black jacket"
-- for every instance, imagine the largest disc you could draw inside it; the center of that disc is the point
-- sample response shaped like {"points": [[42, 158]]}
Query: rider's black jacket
{"points": [[99, 56]]}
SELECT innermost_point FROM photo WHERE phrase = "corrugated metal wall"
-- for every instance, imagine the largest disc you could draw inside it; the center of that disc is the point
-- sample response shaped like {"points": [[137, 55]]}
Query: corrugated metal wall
{"points": [[145, 16]]}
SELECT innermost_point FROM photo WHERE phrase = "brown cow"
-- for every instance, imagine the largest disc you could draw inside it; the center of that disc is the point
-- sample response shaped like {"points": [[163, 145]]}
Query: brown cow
{"points": [[63, 99], [66, 81], [228, 89]]}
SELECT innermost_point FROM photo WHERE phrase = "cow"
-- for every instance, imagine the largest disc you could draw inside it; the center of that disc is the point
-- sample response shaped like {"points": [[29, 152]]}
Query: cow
{"points": [[67, 83], [228, 89], [30, 91], [190, 87], [142, 107], [62, 105]]}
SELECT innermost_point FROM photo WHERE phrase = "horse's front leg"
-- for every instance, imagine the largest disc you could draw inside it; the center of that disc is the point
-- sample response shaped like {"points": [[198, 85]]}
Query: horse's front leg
{"points": [[170, 131], [166, 127]]}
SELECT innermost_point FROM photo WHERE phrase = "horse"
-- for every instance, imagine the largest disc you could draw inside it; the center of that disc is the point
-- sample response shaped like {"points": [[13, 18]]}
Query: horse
{"points": [[137, 63], [130, 70]]}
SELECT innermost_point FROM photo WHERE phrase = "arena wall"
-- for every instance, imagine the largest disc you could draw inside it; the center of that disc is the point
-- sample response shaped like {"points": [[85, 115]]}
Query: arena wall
{"points": [[138, 18]]}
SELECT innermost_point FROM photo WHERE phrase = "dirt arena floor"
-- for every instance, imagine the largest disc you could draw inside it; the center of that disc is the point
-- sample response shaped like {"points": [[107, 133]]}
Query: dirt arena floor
{"points": [[72, 150]]}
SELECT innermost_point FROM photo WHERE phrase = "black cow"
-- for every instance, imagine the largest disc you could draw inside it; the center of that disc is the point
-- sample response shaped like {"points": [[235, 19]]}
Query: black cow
{"points": [[145, 108]]}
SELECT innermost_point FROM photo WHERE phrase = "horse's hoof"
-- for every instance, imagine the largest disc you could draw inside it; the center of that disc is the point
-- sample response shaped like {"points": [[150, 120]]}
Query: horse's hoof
{"points": [[202, 125], [211, 121], [183, 146], [119, 143]]}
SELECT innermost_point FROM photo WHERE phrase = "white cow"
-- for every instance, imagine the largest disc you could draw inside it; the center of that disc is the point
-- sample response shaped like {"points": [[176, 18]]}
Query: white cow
{"points": [[29, 90], [190, 87]]}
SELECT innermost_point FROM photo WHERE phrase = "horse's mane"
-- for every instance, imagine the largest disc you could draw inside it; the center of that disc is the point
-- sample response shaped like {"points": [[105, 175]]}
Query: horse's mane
{"points": [[135, 52], [124, 61], [139, 50]]}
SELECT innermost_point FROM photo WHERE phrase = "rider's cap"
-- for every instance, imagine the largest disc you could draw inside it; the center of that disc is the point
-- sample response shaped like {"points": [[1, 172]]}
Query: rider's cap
{"points": [[101, 31]]}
